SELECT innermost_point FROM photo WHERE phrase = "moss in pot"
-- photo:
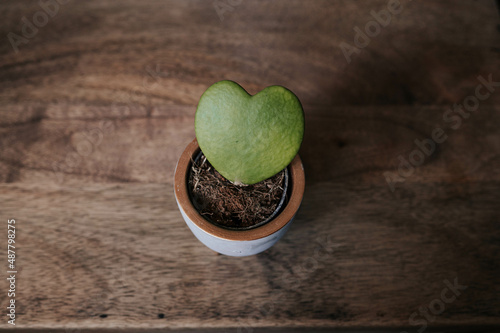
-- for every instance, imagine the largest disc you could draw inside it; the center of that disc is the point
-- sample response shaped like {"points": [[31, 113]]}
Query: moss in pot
{"points": [[240, 192]]}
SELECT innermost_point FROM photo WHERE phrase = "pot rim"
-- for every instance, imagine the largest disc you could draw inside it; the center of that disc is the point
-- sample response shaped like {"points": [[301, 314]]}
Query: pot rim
{"points": [[297, 184]]}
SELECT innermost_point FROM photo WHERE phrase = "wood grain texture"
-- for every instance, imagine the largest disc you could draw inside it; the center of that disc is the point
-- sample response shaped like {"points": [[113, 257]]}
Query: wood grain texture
{"points": [[98, 106]]}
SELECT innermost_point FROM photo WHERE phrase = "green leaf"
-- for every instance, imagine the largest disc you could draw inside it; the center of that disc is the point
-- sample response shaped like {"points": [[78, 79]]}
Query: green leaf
{"points": [[247, 138]]}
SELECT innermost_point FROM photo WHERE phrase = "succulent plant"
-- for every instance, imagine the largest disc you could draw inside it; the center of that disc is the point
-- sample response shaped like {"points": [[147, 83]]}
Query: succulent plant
{"points": [[248, 138]]}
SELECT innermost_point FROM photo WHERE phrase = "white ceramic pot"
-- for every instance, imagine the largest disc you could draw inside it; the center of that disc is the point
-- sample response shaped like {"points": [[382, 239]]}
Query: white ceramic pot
{"points": [[237, 243]]}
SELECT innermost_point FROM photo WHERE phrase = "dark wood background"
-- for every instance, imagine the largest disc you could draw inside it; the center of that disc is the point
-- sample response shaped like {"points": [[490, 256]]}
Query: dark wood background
{"points": [[97, 107]]}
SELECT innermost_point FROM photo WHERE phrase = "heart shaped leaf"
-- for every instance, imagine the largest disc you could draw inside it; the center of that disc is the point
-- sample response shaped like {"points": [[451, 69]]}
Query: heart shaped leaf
{"points": [[247, 138]]}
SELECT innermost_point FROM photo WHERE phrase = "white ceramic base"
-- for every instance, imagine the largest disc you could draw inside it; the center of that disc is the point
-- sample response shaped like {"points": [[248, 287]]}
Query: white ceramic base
{"points": [[232, 247]]}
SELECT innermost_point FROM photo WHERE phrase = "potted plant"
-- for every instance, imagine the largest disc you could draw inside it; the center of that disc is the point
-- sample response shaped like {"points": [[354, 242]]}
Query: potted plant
{"points": [[240, 182]]}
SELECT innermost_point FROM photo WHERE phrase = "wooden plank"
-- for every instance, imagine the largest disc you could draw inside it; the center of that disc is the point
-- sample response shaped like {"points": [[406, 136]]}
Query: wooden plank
{"points": [[122, 250], [157, 53], [127, 144]]}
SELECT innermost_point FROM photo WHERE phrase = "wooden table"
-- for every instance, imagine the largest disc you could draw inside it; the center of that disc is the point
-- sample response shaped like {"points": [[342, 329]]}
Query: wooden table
{"points": [[98, 104]]}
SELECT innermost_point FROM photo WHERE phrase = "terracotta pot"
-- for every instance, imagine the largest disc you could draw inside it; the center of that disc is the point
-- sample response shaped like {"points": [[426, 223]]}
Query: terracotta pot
{"points": [[236, 242]]}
